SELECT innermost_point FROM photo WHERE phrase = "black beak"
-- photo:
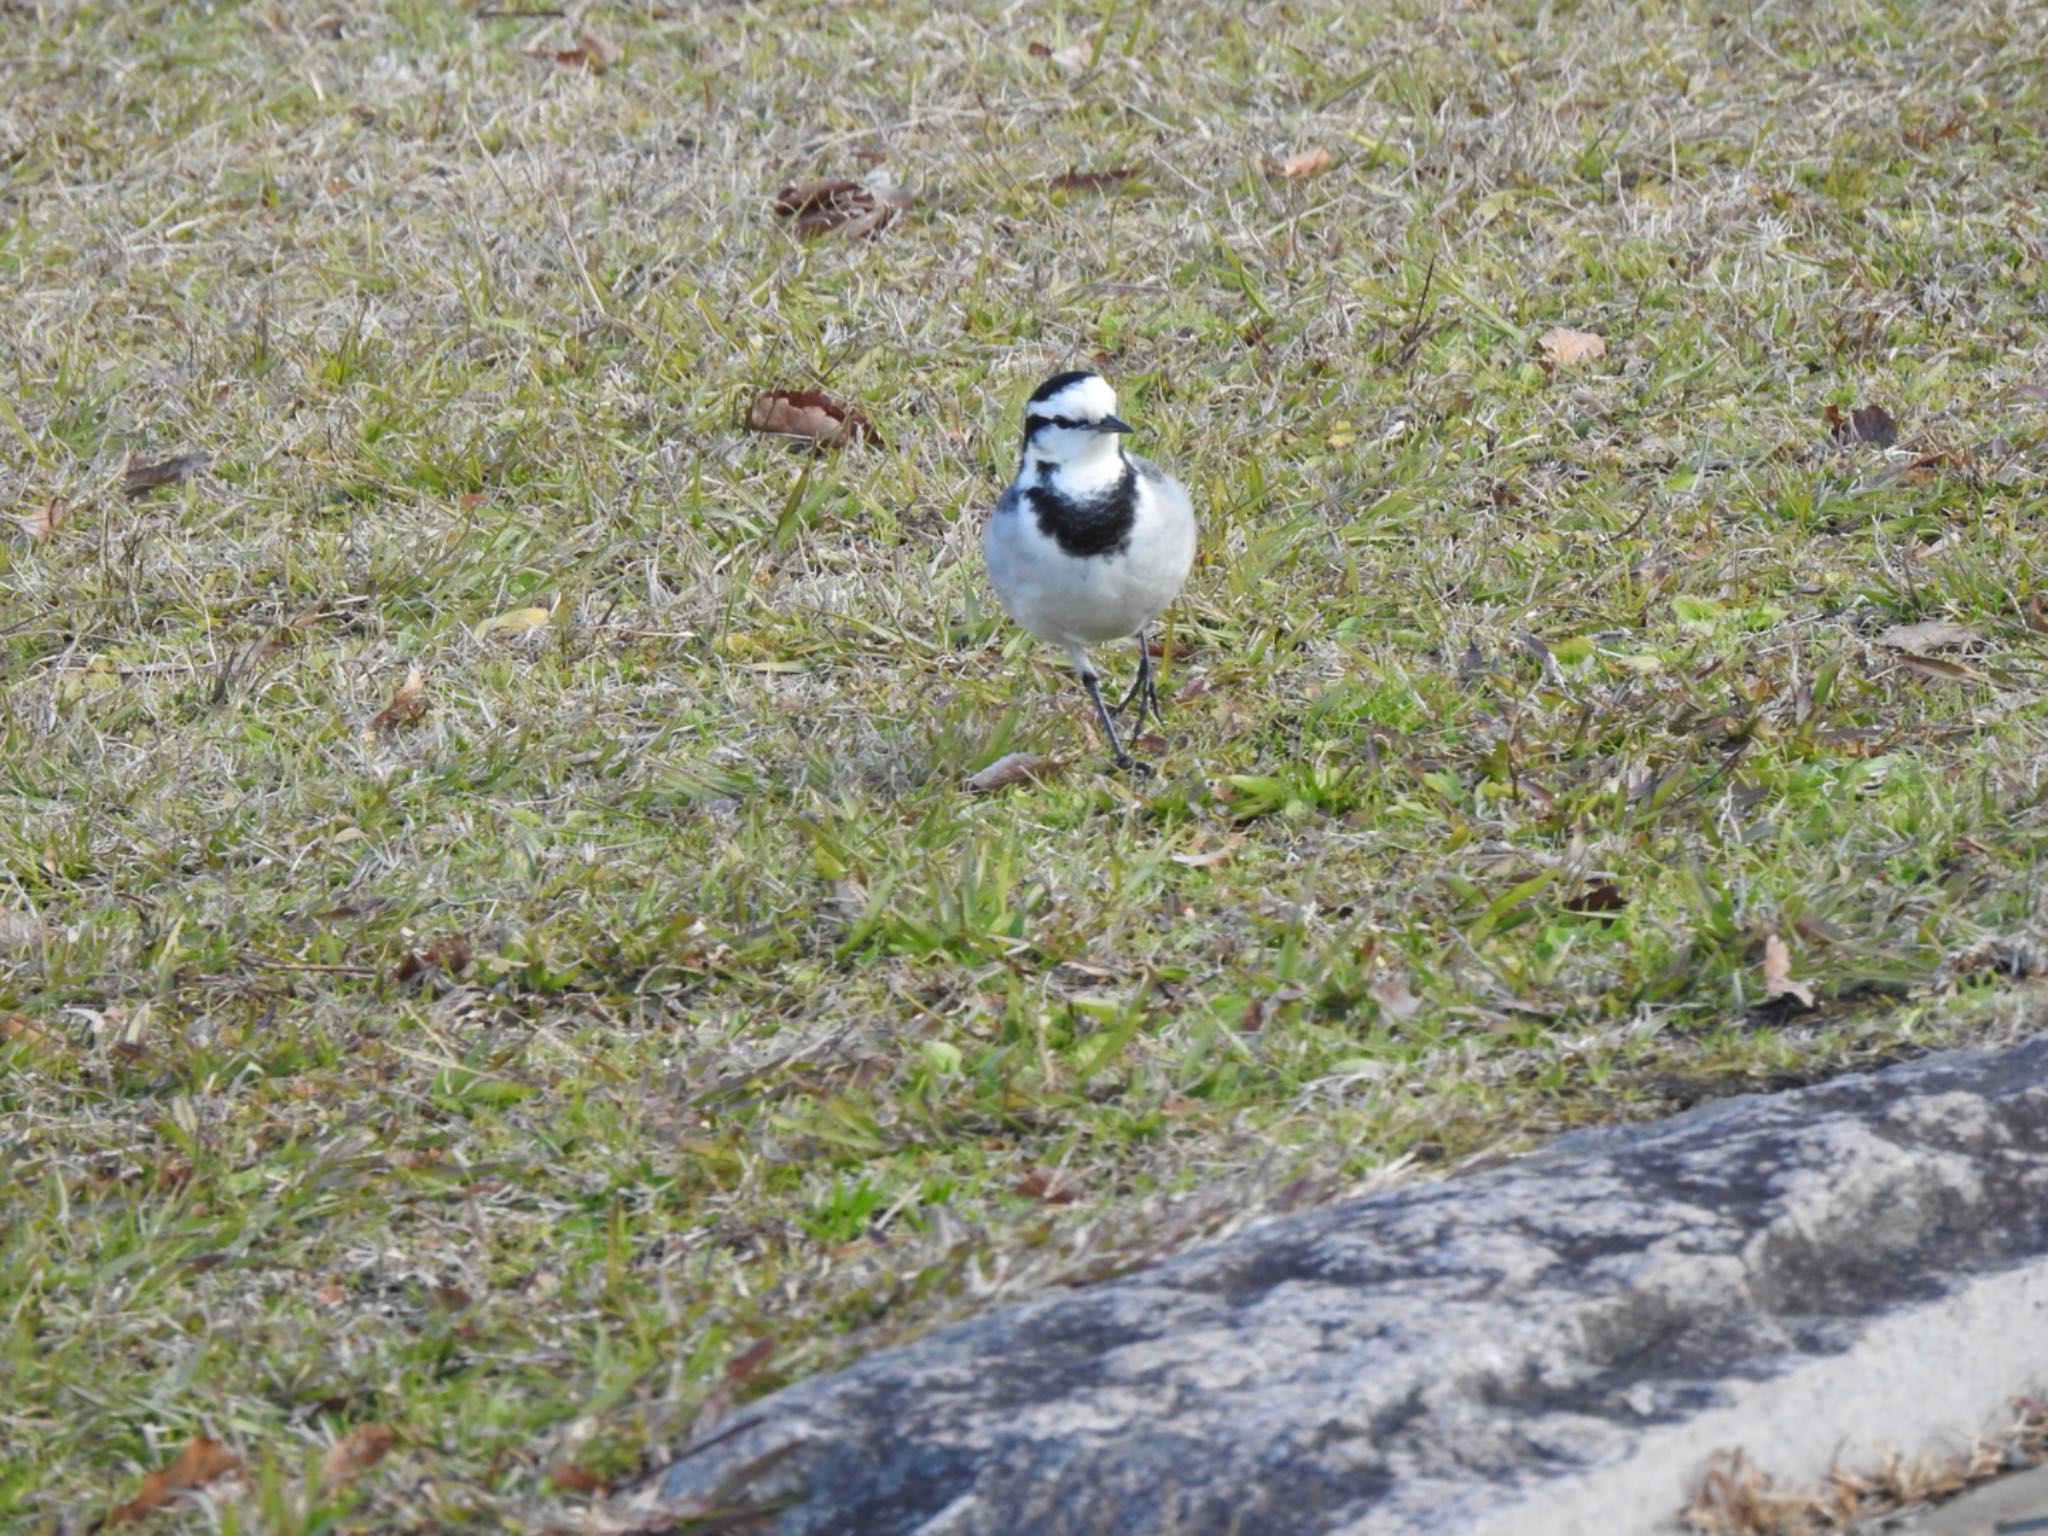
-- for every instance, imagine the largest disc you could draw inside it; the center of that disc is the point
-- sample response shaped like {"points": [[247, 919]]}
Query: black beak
{"points": [[1112, 424]]}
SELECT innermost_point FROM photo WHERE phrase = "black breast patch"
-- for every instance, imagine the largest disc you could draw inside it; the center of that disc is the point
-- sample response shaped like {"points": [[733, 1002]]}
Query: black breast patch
{"points": [[1098, 525]]}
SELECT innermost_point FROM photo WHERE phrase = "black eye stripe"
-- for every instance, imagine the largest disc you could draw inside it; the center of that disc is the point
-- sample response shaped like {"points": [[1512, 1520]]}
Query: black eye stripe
{"points": [[1056, 421]]}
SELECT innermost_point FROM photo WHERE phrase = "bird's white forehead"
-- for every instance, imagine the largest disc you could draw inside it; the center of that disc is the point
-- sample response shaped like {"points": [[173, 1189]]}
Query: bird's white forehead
{"points": [[1086, 399]]}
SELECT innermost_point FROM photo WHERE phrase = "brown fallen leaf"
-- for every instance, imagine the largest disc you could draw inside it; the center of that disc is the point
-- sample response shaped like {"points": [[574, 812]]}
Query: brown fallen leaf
{"points": [[570, 1477], [1933, 635], [1778, 982], [408, 706], [356, 1452], [1204, 860], [291, 631], [1863, 424], [812, 414], [1600, 898], [1567, 348], [850, 208], [591, 54], [450, 954], [1931, 466], [201, 1463], [15, 1029], [42, 524], [140, 479], [1941, 670], [1048, 1186], [1009, 771], [1310, 162], [1091, 181], [749, 1361]]}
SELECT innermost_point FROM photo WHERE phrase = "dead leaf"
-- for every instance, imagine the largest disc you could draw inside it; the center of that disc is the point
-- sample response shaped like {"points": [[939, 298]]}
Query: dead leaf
{"points": [[1864, 424], [591, 53], [1009, 771], [1941, 670], [1216, 855], [516, 621], [1049, 1186], [2032, 394], [1091, 181], [1396, 1002], [1600, 898], [15, 1029], [850, 208], [449, 953], [749, 1361], [42, 524], [1310, 162], [140, 479], [356, 1452], [201, 1463], [812, 414], [1567, 348], [1778, 982], [568, 1477], [450, 1298], [1934, 635], [1931, 466], [408, 706], [291, 631]]}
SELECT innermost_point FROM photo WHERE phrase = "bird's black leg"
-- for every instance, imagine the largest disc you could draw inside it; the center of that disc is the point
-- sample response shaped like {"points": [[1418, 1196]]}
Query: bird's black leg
{"points": [[1124, 760], [1145, 691], [1150, 679]]}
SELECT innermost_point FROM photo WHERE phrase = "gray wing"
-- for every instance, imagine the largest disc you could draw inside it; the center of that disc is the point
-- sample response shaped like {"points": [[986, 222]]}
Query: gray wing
{"points": [[1169, 489], [1009, 505]]}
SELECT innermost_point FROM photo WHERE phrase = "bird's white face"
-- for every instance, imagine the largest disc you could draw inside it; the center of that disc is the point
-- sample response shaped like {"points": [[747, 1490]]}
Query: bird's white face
{"points": [[1075, 424]]}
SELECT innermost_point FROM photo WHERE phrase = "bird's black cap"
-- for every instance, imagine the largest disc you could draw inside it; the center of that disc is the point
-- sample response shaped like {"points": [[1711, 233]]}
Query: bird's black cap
{"points": [[1058, 382]]}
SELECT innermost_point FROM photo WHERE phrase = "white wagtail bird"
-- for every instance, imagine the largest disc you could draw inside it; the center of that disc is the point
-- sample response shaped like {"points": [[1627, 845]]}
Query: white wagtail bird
{"points": [[1089, 543]]}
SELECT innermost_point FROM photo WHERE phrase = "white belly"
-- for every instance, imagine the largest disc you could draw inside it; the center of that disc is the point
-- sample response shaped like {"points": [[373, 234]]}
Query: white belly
{"points": [[1080, 601]]}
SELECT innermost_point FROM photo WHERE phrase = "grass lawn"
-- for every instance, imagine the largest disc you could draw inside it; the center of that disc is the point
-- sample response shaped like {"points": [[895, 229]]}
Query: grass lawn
{"points": [[639, 1011]]}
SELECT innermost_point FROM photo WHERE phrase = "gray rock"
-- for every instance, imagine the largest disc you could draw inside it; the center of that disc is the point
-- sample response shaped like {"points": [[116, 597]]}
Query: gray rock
{"points": [[1556, 1345]]}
